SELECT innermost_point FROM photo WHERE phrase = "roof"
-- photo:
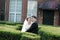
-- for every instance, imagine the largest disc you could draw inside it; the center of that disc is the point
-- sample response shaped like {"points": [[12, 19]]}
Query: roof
{"points": [[49, 4]]}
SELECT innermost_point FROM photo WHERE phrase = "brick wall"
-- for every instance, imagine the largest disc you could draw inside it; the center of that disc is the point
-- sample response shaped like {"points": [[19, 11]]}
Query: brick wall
{"points": [[24, 12], [56, 18], [39, 17], [6, 10], [24, 9]]}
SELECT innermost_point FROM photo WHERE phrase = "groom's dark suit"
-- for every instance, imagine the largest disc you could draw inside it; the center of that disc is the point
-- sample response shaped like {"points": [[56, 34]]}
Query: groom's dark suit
{"points": [[33, 28]]}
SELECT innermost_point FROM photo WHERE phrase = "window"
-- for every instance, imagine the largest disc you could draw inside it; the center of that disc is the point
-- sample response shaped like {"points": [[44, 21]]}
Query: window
{"points": [[15, 11], [32, 8]]}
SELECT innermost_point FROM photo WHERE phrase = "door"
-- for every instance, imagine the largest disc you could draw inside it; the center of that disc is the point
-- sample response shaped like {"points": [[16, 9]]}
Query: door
{"points": [[15, 11], [48, 17], [2, 10]]}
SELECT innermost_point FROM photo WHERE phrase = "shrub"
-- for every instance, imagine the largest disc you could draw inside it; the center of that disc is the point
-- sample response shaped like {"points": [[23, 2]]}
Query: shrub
{"points": [[49, 33], [9, 34], [30, 36], [12, 34], [19, 27], [2, 22], [10, 23], [9, 26]]}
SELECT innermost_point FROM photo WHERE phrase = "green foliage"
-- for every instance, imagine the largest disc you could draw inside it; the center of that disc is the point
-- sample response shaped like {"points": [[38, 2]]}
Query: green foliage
{"points": [[9, 26], [2, 22], [19, 27], [8, 33], [9, 23], [11, 32], [16, 26], [30, 36], [49, 33]]}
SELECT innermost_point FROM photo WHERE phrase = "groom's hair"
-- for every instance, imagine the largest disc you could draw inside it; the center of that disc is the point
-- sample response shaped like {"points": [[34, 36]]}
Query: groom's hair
{"points": [[34, 17], [27, 19]]}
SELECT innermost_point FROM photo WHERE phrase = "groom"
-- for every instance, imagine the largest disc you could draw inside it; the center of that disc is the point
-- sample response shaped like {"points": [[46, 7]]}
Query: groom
{"points": [[34, 26]]}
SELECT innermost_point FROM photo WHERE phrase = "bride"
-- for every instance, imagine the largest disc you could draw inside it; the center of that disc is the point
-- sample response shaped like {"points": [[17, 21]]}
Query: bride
{"points": [[27, 24], [30, 25]]}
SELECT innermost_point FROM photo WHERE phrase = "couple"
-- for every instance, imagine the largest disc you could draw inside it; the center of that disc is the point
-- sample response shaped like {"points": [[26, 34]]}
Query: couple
{"points": [[30, 25]]}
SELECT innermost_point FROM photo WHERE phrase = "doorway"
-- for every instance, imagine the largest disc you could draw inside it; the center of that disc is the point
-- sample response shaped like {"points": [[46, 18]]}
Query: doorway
{"points": [[2, 10], [48, 17]]}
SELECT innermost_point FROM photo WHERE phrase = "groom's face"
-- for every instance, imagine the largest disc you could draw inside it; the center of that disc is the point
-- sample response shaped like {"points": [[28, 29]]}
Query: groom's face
{"points": [[32, 19], [29, 19]]}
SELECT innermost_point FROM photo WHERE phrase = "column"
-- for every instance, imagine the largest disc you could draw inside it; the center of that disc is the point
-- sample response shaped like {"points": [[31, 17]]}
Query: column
{"points": [[56, 18], [24, 9], [39, 13], [6, 10], [40, 17]]}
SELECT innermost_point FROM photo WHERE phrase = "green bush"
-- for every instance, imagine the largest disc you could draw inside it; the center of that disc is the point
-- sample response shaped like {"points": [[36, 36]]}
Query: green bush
{"points": [[30, 36], [9, 23], [12, 34], [49, 33], [9, 34], [12, 23], [19, 27], [9, 26], [2, 22]]}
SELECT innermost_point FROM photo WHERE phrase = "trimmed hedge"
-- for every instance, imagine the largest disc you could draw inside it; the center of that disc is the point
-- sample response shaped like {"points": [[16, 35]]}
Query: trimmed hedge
{"points": [[2, 22], [9, 34], [12, 34], [30, 36], [11, 31], [49, 33], [17, 26], [9, 23]]}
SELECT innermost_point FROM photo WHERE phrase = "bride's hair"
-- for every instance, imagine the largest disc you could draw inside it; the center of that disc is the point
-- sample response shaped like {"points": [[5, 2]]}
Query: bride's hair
{"points": [[27, 19]]}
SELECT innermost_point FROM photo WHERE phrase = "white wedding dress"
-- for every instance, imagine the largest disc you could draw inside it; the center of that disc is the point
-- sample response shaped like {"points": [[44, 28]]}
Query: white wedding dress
{"points": [[26, 26]]}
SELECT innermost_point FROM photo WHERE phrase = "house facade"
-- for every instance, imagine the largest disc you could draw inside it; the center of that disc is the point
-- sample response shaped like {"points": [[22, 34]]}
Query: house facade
{"points": [[18, 10]]}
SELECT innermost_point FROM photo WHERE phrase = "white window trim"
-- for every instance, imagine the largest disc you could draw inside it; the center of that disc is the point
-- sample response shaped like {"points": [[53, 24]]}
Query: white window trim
{"points": [[15, 13], [28, 9]]}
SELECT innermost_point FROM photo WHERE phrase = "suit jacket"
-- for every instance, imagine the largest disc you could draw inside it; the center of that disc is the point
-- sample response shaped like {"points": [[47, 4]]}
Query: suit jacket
{"points": [[33, 28]]}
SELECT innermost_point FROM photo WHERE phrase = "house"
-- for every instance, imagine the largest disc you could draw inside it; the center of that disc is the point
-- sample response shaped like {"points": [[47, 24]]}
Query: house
{"points": [[46, 11]]}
